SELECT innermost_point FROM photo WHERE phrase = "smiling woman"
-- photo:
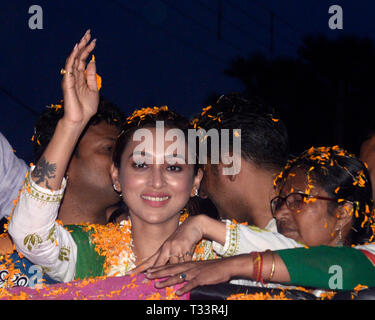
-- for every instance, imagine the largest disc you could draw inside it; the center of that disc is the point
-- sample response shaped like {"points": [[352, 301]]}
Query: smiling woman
{"points": [[155, 189], [160, 167]]}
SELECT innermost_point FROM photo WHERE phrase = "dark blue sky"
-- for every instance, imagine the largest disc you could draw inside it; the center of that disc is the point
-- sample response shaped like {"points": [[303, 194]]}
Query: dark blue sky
{"points": [[149, 52]]}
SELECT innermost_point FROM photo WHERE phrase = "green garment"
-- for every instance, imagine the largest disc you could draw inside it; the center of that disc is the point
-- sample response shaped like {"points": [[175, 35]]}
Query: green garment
{"points": [[89, 263], [334, 268]]}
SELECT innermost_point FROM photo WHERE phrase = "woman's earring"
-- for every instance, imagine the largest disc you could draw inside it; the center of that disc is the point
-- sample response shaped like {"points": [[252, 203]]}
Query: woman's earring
{"points": [[114, 187], [196, 194], [340, 243]]}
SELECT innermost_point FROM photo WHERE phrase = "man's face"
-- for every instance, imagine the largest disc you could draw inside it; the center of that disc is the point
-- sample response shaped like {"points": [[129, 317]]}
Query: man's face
{"points": [[219, 190], [367, 155], [89, 169], [244, 197]]}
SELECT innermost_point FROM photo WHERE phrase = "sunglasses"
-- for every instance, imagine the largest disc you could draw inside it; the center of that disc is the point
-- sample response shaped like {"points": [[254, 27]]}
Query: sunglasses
{"points": [[294, 201]]}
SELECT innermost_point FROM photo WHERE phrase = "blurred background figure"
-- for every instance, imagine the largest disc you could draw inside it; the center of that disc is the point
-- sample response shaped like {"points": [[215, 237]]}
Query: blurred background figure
{"points": [[12, 174], [367, 155]]}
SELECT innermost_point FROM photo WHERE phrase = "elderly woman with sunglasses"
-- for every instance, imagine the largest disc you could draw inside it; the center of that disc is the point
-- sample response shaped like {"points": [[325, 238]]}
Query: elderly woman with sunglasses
{"points": [[324, 207]]}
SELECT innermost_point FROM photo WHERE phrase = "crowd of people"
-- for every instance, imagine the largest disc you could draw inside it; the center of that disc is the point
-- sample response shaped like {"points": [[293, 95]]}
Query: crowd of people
{"points": [[100, 201]]}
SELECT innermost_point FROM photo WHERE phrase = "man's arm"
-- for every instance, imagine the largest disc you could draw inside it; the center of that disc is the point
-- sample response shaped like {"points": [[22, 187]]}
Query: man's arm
{"points": [[12, 174]]}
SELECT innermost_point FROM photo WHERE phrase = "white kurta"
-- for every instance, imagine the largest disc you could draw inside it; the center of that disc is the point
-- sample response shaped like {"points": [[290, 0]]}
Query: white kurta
{"points": [[38, 236]]}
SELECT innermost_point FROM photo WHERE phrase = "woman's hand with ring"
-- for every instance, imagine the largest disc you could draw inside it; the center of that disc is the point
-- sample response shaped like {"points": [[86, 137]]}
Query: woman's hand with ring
{"points": [[194, 273]]}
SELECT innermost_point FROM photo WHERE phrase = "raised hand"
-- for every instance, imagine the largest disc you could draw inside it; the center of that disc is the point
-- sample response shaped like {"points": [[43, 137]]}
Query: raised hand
{"points": [[81, 94], [81, 99]]}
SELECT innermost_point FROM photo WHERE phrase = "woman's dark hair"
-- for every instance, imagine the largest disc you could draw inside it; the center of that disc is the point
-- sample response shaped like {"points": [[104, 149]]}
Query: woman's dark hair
{"points": [[345, 178], [264, 138], [147, 117]]}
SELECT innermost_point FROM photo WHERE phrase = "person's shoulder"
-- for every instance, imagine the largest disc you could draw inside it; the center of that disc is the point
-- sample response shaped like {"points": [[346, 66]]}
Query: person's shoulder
{"points": [[8, 155]]}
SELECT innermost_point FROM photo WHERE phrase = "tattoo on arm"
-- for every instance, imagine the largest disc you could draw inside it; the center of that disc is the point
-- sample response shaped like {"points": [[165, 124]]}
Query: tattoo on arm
{"points": [[44, 171]]}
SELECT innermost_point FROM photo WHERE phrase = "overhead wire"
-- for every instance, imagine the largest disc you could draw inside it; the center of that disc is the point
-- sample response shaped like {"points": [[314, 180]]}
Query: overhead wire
{"points": [[237, 27], [185, 42], [203, 26], [19, 101], [265, 26], [277, 16]]}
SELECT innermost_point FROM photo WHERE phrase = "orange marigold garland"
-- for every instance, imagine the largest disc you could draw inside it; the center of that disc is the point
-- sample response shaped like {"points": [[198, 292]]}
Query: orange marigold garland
{"points": [[114, 241], [258, 296], [143, 112]]}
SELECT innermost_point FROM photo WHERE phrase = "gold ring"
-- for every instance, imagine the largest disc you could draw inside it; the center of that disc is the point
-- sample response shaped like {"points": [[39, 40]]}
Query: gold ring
{"points": [[63, 71]]}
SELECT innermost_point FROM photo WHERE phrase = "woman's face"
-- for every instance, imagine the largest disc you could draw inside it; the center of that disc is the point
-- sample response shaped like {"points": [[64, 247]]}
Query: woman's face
{"points": [[154, 189], [312, 225]]}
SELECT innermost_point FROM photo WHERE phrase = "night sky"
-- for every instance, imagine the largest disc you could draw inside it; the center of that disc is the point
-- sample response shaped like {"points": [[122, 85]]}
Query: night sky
{"points": [[149, 52]]}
